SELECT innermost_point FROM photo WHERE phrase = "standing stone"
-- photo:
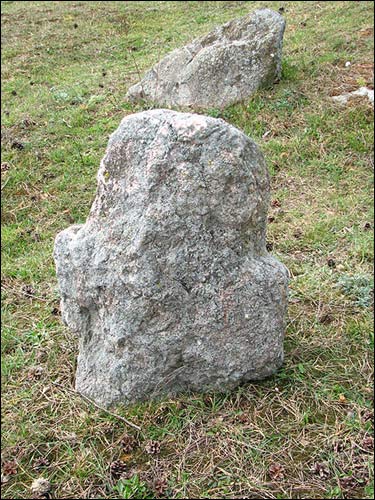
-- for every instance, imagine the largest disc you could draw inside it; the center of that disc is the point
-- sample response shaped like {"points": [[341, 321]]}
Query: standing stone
{"points": [[168, 283], [226, 66]]}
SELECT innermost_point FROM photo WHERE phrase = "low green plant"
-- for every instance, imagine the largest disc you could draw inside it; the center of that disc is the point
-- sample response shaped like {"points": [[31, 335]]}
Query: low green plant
{"points": [[132, 488]]}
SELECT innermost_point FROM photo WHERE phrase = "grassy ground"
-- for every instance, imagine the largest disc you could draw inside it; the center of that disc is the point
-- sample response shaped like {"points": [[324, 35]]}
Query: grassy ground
{"points": [[306, 432]]}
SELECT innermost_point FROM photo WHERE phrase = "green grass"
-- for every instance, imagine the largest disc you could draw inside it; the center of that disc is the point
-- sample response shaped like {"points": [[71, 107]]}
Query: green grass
{"points": [[66, 68]]}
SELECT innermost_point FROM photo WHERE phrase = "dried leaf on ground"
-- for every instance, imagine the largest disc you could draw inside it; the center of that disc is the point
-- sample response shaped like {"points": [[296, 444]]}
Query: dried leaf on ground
{"points": [[276, 472]]}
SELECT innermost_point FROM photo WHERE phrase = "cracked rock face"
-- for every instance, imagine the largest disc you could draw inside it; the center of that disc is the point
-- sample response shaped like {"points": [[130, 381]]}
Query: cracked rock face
{"points": [[225, 66], [168, 283]]}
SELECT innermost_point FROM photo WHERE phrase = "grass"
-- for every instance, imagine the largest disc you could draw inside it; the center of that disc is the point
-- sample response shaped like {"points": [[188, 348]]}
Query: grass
{"points": [[307, 431]]}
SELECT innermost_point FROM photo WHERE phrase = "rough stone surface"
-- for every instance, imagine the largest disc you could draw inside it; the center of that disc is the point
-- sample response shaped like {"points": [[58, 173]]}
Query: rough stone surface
{"points": [[225, 66], [168, 283]]}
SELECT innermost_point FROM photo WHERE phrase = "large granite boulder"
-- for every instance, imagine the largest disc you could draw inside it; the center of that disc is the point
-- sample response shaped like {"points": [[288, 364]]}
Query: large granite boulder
{"points": [[168, 283], [226, 66]]}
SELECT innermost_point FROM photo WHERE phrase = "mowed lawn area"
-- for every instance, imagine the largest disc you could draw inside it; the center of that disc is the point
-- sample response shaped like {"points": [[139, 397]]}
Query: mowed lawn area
{"points": [[307, 432]]}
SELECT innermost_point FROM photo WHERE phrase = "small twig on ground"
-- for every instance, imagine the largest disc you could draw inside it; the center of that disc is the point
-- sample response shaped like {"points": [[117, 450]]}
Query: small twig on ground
{"points": [[136, 65], [139, 73], [20, 293], [88, 400], [5, 183]]}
